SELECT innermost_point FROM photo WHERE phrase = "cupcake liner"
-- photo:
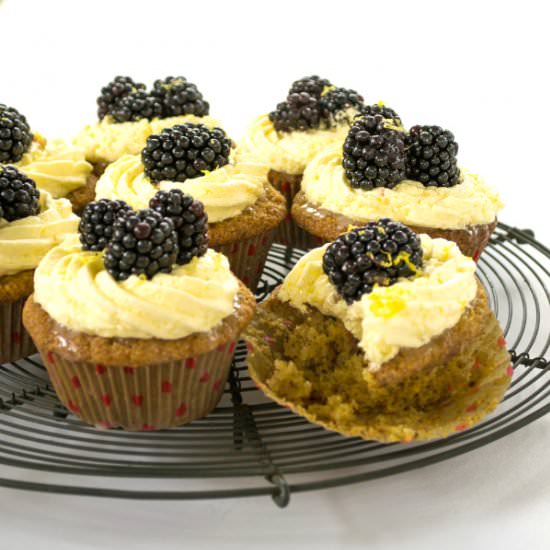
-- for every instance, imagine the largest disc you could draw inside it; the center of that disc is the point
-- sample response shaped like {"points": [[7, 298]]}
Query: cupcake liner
{"points": [[247, 257], [465, 406], [143, 398], [15, 342], [288, 233], [287, 184]]}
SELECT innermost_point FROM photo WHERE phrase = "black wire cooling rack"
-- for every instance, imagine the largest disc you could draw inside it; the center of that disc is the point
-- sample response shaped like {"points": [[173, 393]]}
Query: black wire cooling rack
{"points": [[250, 446]]}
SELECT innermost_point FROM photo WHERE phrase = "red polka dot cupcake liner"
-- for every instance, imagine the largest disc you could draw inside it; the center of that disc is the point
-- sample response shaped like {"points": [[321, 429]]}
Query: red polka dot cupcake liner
{"points": [[143, 398], [247, 257], [288, 233], [15, 342]]}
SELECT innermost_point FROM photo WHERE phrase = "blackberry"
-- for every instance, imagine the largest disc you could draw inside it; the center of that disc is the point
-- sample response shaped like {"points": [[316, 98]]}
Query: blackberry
{"points": [[313, 85], [299, 112], [15, 134], [374, 156], [190, 221], [19, 196], [380, 109], [179, 97], [377, 254], [431, 156], [143, 243], [112, 93], [96, 223], [336, 101], [185, 151], [135, 106]]}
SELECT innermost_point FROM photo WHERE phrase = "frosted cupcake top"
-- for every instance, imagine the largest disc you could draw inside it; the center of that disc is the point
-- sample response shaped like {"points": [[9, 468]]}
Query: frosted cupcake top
{"points": [[107, 141], [314, 114], [225, 192], [405, 314], [55, 165], [24, 242], [287, 152], [193, 158], [470, 202], [75, 289], [128, 114]]}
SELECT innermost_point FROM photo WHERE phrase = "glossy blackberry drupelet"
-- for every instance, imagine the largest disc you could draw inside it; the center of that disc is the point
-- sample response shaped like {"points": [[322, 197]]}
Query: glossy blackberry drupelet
{"points": [[313, 85], [377, 254], [380, 109], [143, 243], [190, 221], [300, 111], [112, 93], [19, 196], [15, 134], [185, 151], [96, 223], [179, 97], [136, 106], [336, 101], [374, 155], [431, 156]]}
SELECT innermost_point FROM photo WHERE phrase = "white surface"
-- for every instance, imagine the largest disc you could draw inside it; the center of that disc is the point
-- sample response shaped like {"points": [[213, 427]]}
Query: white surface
{"points": [[479, 69]]}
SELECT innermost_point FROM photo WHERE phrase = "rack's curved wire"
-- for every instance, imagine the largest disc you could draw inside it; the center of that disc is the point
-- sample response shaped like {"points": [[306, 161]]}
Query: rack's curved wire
{"points": [[250, 446]]}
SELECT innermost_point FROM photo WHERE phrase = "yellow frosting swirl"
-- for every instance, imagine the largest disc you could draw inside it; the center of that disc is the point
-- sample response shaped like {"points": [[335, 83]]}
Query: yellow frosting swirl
{"points": [[24, 242], [471, 202], [407, 314], [55, 166], [74, 288], [225, 192], [106, 141], [287, 152]]}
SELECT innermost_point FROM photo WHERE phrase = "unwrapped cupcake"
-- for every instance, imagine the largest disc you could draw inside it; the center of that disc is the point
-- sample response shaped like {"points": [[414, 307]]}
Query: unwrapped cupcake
{"points": [[382, 334], [128, 115], [315, 114], [55, 166], [135, 330], [412, 177], [243, 208], [31, 223]]}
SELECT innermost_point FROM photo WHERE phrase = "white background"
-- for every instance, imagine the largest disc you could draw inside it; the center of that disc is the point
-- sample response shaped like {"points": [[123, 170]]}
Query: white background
{"points": [[478, 68]]}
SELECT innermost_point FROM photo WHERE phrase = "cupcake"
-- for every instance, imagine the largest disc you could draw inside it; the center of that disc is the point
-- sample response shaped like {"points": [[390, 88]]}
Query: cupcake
{"points": [[411, 177], [134, 333], [243, 208], [314, 115], [55, 166], [31, 223], [382, 334], [128, 115]]}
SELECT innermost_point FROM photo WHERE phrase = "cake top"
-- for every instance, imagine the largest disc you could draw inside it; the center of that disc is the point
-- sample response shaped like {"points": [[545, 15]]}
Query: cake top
{"points": [[138, 274], [391, 288], [198, 160], [77, 289], [31, 221]]}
